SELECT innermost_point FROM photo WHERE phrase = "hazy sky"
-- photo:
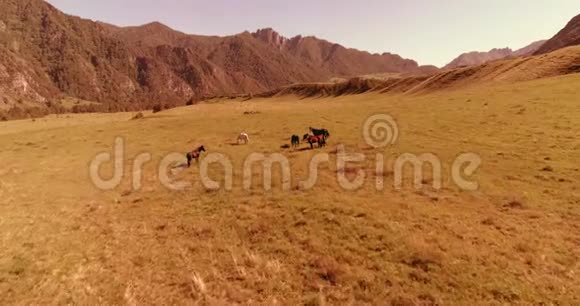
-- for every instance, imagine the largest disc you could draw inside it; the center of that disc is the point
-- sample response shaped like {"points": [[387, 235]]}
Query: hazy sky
{"points": [[428, 31]]}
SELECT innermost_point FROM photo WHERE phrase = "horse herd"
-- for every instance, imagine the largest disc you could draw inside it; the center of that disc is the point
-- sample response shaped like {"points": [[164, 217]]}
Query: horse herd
{"points": [[316, 136]]}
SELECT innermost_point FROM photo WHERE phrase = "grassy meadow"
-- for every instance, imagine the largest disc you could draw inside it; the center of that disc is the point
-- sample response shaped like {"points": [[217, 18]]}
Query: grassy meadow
{"points": [[515, 240]]}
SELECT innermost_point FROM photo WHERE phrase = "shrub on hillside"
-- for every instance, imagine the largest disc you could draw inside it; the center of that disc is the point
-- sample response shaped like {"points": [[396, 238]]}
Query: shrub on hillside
{"points": [[192, 101], [157, 108], [138, 116]]}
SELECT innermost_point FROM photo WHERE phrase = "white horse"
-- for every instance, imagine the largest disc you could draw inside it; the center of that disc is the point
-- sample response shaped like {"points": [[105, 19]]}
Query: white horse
{"points": [[243, 138]]}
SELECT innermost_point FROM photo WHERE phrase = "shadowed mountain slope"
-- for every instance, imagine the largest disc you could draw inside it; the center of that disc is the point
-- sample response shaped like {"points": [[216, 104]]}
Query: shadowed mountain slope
{"points": [[568, 36]]}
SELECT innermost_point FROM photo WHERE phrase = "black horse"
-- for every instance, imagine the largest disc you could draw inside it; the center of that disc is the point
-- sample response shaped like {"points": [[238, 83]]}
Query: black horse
{"points": [[295, 141], [320, 132], [194, 155]]}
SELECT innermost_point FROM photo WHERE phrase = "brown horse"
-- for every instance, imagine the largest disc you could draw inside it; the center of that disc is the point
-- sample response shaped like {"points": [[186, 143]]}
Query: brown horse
{"points": [[194, 155], [312, 139]]}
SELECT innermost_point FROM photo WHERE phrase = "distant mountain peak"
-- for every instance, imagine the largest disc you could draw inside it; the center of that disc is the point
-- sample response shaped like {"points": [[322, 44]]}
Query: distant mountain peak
{"points": [[475, 58], [529, 49], [155, 25], [271, 37]]}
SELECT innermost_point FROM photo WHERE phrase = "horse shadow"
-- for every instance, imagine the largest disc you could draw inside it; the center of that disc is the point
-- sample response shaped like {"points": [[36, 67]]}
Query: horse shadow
{"points": [[180, 166]]}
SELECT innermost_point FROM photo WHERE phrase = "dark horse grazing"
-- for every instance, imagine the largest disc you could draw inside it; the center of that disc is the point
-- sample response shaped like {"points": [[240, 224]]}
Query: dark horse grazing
{"points": [[320, 132], [194, 155], [295, 140], [312, 139]]}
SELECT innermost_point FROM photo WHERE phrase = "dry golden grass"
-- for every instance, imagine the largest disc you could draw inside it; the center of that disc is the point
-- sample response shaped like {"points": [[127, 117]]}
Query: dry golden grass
{"points": [[516, 240]]}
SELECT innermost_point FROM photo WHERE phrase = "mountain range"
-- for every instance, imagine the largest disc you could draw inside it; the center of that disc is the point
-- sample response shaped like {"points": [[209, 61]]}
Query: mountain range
{"points": [[477, 58], [47, 57], [568, 36]]}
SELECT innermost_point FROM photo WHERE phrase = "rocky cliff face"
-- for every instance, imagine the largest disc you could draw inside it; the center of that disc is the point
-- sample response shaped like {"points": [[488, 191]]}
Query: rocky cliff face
{"points": [[271, 37]]}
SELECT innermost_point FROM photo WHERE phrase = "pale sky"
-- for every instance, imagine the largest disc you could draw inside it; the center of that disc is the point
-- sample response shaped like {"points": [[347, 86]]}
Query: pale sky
{"points": [[430, 32]]}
